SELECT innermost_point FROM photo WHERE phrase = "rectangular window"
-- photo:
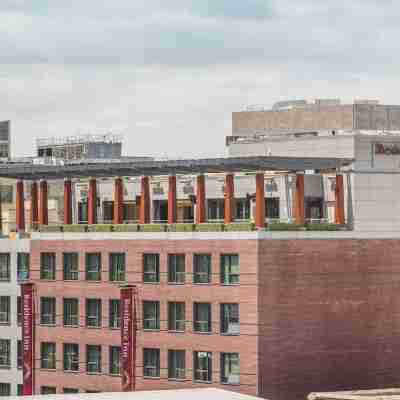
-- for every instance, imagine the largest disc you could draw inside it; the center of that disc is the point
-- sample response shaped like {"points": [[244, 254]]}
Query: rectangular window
{"points": [[48, 266], [23, 262], [4, 267], [176, 364], [176, 268], [115, 314], [202, 317], [115, 360], [71, 357], [48, 390], [151, 315], [176, 316], [47, 310], [5, 360], [5, 389], [151, 363], [19, 310], [70, 390], [70, 266], [93, 359], [202, 268], [272, 207], [230, 319], [19, 354], [230, 368], [202, 366], [20, 390], [93, 266], [230, 270], [151, 268], [93, 313], [71, 312], [48, 355], [4, 310], [117, 267]]}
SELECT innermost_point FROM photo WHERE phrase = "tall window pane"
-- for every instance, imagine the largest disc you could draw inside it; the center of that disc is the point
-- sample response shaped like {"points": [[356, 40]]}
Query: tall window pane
{"points": [[230, 368], [93, 359], [48, 266], [117, 267], [4, 267], [230, 269], [48, 390], [71, 357], [202, 317], [48, 355], [71, 312], [71, 266], [202, 366], [115, 360], [176, 364], [19, 310], [19, 354], [230, 319], [48, 310], [5, 348], [93, 313], [151, 268], [151, 315], [176, 268], [5, 389], [93, 266], [23, 262], [115, 313], [202, 268], [151, 363], [5, 310], [176, 316]]}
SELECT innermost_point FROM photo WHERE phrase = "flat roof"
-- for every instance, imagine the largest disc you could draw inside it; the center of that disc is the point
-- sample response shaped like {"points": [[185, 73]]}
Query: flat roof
{"points": [[181, 394], [29, 171]]}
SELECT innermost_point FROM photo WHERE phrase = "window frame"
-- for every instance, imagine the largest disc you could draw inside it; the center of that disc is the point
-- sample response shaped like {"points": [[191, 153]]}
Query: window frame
{"points": [[197, 370], [111, 316], [48, 272], [51, 359], [23, 270], [196, 265], [224, 378], [97, 317], [155, 303], [71, 269], [72, 364], [173, 365], [97, 271], [5, 301], [73, 301], [224, 324], [5, 359], [156, 368], [96, 362], [155, 265], [173, 323], [115, 274], [173, 271], [196, 322], [230, 265], [114, 369], [53, 315]]}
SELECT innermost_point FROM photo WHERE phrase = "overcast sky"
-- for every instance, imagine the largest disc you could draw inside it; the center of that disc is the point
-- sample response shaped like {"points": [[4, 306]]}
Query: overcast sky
{"points": [[166, 74]]}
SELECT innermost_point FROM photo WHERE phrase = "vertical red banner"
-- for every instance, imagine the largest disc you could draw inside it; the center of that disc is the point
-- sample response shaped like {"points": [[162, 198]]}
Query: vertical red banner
{"points": [[128, 338], [28, 338]]}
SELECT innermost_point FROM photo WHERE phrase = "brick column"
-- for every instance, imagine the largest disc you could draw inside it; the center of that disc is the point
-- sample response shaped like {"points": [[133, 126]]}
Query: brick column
{"points": [[144, 217], [43, 206], [339, 200], [200, 199], [20, 206], [298, 200], [34, 205], [67, 202], [229, 194], [92, 202], [260, 200], [118, 201], [172, 199]]}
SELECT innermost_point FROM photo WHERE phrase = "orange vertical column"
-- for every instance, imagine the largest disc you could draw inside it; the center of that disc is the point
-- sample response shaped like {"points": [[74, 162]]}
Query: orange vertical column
{"points": [[34, 205], [118, 201], [339, 200], [260, 200], [144, 217], [92, 202], [229, 192], [43, 214], [172, 199], [67, 202], [20, 206], [200, 199], [298, 200]]}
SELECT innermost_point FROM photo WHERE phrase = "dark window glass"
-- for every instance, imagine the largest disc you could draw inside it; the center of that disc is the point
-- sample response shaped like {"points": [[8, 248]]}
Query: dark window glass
{"points": [[230, 368], [151, 315], [93, 313], [48, 390], [48, 355], [4, 267], [70, 390], [115, 313], [272, 208], [48, 266], [202, 268], [93, 359], [176, 364], [5, 389], [230, 269], [176, 268], [202, 317], [5, 349], [115, 360], [47, 310], [71, 266], [23, 262], [117, 267], [151, 268], [176, 316], [242, 210], [19, 354], [19, 310], [230, 319], [151, 363], [71, 312], [20, 390], [202, 366], [93, 266], [5, 310], [71, 357]]}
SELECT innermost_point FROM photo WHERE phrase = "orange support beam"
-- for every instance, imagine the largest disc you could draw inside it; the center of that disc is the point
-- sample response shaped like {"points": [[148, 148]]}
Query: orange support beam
{"points": [[92, 202], [118, 201], [144, 217], [229, 194], [298, 200], [200, 199], [20, 206], [34, 205], [339, 200], [43, 214], [260, 201], [172, 199], [67, 202]]}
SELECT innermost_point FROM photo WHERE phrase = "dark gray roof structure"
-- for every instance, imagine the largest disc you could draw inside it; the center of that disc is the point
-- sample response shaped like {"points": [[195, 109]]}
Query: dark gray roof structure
{"points": [[30, 171]]}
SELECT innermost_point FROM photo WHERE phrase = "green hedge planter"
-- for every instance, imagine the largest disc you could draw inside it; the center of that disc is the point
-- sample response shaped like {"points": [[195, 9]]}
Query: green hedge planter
{"points": [[126, 228], [181, 228], [152, 228], [51, 228], [75, 228], [322, 227], [285, 227], [239, 227], [210, 227], [100, 228]]}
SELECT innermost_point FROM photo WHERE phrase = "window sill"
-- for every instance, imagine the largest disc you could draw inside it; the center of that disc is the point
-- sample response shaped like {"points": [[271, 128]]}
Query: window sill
{"points": [[177, 283], [48, 325], [70, 371], [178, 379], [70, 280], [151, 377], [230, 384], [93, 373], [48, 369], [115, 375], [229, 284], [92, 281], [5, 366], [229, 334], [47, 279], [202, 283], [71, 326], [173, 331], [5, 323], [151, 283], [206, 382], [151, 330], [93, 327], [203, 333]]}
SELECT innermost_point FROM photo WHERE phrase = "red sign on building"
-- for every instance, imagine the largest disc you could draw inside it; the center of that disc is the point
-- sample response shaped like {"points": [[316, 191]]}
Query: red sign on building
{"points": [[28, 338], [128, 338]]}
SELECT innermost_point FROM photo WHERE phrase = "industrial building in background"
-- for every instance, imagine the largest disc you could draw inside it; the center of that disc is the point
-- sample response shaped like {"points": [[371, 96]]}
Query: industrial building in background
{"points": [[5, 141]]}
